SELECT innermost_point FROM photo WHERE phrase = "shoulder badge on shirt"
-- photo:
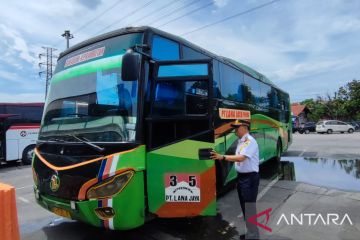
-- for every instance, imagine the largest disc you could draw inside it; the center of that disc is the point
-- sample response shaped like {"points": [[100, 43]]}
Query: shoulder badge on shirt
{"points": [[247, 140], [244, 144]]}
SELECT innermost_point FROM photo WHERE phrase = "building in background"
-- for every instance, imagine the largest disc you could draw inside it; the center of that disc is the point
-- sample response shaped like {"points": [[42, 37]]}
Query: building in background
{"points": [[299, 113]]}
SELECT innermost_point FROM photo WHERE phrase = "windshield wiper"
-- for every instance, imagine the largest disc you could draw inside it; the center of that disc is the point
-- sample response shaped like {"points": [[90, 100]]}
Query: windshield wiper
{"points": [[51, 139], [86, 141]]}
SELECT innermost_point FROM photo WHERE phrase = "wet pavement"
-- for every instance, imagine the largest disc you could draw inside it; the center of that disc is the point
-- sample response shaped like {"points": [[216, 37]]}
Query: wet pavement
{"points": [[343, 174], [331, 146]]}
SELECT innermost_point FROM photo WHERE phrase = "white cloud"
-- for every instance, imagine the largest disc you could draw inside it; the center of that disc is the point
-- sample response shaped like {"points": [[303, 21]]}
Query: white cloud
{"points": [[16, 42], [345, 24], [308, 69], [220, 3], [9, 76]]}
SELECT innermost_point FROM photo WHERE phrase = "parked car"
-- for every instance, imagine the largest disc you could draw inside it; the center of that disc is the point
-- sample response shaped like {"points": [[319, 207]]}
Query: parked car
{"points": [[355, 124], [358, 123], [307, 128], [294, 129], [330, 126]]}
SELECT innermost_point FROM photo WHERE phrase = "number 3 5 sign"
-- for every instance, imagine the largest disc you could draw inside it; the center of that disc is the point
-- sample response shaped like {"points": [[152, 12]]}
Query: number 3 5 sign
{"points": [[182, 187]]}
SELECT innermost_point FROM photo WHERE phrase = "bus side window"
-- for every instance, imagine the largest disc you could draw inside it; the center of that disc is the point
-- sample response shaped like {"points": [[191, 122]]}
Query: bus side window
{"points": [[190, 54], [252, 90], [232, 84], [180, 98], [165, 49], [287, 108], [216, 79], [196, 97], [274, 99], [284, 107], [265, 95], [169, 99]]}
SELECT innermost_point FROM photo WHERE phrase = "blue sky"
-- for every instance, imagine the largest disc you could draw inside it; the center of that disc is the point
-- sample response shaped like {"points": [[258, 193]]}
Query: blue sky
{"points": [[308, 48]]}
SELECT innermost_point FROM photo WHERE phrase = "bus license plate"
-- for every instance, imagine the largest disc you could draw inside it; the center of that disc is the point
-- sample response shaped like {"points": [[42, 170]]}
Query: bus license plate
{"points": [[61, 212]]}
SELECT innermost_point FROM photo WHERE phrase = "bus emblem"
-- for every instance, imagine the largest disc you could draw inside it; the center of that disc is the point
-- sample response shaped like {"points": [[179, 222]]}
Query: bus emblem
{"points": [[54, 183]]}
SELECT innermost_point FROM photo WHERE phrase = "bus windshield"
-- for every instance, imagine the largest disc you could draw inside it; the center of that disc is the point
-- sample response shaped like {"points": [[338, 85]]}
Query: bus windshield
{"points": [[88, 97]]}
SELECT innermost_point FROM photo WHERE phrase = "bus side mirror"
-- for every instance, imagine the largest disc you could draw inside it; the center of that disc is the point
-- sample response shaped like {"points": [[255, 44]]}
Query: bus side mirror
{"points": [[130, 66]]}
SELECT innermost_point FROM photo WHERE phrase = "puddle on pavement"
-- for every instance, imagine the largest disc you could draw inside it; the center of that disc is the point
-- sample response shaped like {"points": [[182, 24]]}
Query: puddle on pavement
{"points": [[323, 172]]}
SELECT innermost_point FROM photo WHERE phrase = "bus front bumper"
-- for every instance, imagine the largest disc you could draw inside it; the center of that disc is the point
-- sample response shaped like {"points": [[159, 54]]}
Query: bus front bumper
{"points": [[77, 210], [96, 212]]}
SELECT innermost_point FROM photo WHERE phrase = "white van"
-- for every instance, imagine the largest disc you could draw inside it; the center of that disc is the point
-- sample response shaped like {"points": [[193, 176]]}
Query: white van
{"points": [[330, 126]]}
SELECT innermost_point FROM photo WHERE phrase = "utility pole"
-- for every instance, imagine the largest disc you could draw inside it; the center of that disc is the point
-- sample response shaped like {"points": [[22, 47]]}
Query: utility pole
{"points": [[48, 63], [67, 35]]}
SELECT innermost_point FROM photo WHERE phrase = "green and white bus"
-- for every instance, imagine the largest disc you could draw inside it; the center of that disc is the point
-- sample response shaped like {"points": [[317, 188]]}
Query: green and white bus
{"points": [[125, 118]]}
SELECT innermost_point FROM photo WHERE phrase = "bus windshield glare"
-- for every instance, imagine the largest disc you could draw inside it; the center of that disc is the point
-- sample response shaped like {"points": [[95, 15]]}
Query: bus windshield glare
{"points": [[88, 97]]}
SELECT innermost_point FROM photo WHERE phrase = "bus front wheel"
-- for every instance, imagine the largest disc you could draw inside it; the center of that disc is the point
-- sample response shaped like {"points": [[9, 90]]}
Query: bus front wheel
{"points": [[278, 155], [28, 154], [278, 150]]}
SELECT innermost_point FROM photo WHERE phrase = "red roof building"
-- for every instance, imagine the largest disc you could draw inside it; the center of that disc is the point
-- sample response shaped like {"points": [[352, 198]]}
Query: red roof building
{"points": [[300, 112]]}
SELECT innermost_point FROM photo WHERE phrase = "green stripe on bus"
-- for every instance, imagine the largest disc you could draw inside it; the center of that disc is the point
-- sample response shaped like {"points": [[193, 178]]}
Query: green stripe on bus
{"points": [[209, 210], [89, 67]]}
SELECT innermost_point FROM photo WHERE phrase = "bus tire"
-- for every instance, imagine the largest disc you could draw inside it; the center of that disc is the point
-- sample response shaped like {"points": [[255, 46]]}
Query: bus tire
{"points": [[278, 150], [27, 154], [221, 174], [278, 155], [219, 178]]}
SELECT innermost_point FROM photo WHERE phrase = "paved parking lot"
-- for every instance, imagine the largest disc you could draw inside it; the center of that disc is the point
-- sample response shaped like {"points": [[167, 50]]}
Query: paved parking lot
{"points": [[334, 145], [285, 191]]}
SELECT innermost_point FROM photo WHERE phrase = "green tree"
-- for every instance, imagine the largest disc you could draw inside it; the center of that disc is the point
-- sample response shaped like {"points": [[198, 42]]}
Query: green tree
{"points": [[317, 109], [349, 96], [345, 104]]}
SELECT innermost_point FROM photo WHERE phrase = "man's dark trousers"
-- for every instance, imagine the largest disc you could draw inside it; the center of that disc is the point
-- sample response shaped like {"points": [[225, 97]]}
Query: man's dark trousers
{"points": [[247, 187]]}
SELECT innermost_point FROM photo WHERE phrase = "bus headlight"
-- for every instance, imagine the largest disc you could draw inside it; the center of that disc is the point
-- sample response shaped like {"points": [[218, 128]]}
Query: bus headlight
{"points": [[110, 186]]}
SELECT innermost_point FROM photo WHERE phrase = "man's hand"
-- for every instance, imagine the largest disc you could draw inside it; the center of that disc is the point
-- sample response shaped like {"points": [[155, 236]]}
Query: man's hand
{"points": [[230, 158], [216, 156]]}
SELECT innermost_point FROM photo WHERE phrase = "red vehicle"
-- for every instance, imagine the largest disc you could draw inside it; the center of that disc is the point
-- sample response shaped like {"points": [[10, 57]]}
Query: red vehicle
{"points": [[19, 129]]}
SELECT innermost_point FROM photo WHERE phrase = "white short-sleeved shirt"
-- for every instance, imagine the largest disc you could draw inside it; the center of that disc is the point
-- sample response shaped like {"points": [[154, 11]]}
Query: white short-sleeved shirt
{"points": [[248, 147]]}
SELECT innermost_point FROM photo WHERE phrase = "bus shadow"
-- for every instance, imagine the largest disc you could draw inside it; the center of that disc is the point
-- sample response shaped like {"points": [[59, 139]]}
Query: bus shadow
{"points": [[179, 228], [77, 230], [198, 228]]}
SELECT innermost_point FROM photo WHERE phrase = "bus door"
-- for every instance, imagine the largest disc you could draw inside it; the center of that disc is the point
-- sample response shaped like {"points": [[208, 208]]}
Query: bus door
{"points": [[179, 124], [5, 124]]}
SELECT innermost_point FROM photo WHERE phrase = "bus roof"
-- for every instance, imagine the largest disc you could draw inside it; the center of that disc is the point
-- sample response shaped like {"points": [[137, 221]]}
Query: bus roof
{"points": [[126, 30]]}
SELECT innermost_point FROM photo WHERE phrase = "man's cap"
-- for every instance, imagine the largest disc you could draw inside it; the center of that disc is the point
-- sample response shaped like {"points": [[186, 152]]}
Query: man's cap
{"points": [[240, 122]]}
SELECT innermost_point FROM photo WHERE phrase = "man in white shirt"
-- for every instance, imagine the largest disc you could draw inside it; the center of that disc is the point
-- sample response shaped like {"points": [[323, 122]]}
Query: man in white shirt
{"points": [[246, 160]]}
